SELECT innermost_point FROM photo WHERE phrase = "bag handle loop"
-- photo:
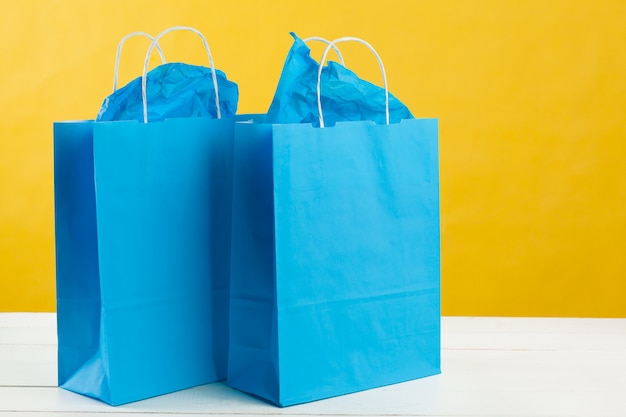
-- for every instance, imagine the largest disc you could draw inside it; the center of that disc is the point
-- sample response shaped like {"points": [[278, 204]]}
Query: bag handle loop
{"points": [[119, 54], [327, 42], [319, 75], [144, 78]]}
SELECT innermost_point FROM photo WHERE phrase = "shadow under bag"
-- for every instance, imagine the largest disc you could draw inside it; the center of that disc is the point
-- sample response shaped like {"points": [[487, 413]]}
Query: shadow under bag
{"points": [[335, 284]]}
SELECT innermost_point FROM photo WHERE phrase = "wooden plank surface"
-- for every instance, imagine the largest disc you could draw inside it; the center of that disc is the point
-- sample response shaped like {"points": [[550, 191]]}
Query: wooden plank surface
{"points": [[505, 367]]}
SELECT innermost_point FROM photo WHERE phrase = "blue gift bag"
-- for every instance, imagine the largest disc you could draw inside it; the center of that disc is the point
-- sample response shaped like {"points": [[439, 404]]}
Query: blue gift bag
{"points": [[142, 225], [335, 278]]}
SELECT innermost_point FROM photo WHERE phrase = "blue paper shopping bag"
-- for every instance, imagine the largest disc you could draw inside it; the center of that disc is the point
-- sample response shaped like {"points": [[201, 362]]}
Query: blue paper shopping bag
{"points": [[335, 283], [142, 219]]}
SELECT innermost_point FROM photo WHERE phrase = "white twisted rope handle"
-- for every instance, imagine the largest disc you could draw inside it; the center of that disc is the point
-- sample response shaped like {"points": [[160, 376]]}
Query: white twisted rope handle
{"points": [[319, 75], [144, 78], [327, 42], [119, 54]]}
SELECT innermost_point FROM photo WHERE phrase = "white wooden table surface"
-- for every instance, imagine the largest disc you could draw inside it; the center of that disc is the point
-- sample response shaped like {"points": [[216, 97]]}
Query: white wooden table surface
{"points": [[500, 367]]}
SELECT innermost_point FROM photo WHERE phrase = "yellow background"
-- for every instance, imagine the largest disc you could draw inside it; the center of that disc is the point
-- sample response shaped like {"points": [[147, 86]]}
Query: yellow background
{"points": [[530, 96]]}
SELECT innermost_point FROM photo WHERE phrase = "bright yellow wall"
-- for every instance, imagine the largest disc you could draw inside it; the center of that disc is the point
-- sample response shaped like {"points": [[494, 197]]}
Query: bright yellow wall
{"points": [[531, 97]]}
